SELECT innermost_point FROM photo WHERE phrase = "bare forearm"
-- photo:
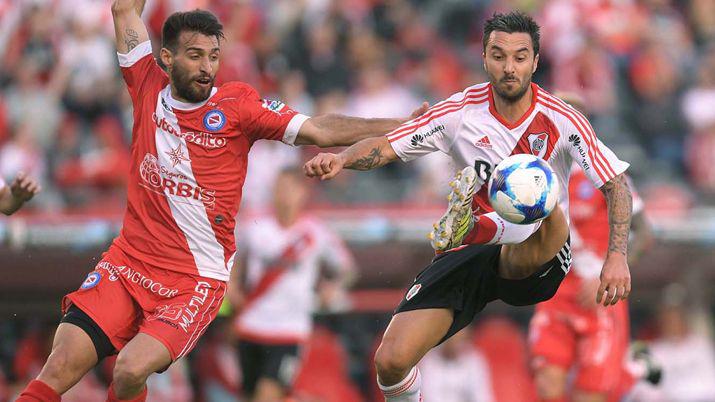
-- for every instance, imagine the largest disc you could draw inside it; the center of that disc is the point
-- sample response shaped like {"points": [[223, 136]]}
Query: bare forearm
{"points": [[345, 130], [368, 154], [620, 207], [128, 26], [123, 5]]}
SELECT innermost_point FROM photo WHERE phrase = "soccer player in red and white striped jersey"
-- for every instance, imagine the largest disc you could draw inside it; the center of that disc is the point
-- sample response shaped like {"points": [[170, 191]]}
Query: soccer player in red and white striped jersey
{"points": [[163, 278], [519, 264]]}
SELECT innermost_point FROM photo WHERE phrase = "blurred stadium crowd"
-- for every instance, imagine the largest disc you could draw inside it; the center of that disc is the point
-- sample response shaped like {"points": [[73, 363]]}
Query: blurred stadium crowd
{"points": [[646, 69]]}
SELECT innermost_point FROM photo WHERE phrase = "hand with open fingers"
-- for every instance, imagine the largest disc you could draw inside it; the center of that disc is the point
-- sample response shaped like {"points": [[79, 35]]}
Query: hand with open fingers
{"points": [[24, 188], [324, 165], [615, 281]]}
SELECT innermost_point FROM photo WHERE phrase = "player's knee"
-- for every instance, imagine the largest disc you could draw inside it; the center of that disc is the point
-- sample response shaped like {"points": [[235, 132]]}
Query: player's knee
{"points": [[392, 360], [129, 372], [550, 383], [59, 365]]}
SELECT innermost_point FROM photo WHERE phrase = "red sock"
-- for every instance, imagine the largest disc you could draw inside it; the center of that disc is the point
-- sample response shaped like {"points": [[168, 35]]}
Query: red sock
{"points": [[483, 231], [38, 391], [111, 397]]}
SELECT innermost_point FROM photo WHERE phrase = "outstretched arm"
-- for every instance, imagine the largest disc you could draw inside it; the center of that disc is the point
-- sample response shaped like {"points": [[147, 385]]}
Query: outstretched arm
{"points": [[332, 130], [615, 275], [128, 25], [365, 155]]}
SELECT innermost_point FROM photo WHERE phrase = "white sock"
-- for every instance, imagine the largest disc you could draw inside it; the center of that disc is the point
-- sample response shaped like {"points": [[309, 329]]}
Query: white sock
{"points": [[407, 390]]}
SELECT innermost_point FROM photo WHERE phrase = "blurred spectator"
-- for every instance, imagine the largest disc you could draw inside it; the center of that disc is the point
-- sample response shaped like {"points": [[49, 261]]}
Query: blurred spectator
{"points": [[456, 372], [687, 356], [274, 316], [700, 115]]}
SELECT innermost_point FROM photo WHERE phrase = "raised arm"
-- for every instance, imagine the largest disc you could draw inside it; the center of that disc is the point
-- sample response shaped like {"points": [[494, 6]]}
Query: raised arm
{"points": [[331, 130], [615, 275], [128, 25], [367, 154]]}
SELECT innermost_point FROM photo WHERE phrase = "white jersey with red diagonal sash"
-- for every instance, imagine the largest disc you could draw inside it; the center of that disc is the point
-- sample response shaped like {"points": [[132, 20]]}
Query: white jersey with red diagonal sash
{"points": [[282, 268], [468, 128], [188, 167]]}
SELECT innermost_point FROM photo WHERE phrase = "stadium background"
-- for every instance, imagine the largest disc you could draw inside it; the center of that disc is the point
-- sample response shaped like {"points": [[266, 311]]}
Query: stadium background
{"points": [[646, 69]]}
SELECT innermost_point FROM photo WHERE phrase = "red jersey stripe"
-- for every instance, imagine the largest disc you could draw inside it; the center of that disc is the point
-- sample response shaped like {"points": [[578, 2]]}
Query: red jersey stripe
{"points": [[472, 94], [453, 109], [592, 142], [599, 170]]}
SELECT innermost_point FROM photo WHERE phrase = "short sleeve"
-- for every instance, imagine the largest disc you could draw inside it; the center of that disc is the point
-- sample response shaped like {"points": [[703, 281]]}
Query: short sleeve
{"points": [[269, 119], [598, 162], [434, 131], [140, 68]]}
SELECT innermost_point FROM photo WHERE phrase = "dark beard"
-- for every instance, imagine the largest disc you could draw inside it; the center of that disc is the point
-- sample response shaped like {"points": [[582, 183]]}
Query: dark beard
{"points": [[184, 88], [512, 97]]}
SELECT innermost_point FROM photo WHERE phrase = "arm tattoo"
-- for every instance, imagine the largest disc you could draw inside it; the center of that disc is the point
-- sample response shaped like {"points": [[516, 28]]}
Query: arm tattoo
{"points": [[131, 38], [620, 208], [371, 160]]}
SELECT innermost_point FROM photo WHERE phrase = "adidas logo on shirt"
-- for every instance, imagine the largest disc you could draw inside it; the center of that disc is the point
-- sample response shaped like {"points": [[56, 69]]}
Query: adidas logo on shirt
{"points": [[484, 142]]}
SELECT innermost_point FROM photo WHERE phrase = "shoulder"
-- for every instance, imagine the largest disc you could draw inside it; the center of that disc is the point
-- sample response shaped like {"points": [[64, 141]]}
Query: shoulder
{"points": [[558, 111]]}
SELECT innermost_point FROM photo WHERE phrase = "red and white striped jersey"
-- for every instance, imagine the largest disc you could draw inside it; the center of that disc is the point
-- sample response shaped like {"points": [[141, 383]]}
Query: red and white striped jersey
{"points": [[468, 128], [282, 268], [188, 167]]}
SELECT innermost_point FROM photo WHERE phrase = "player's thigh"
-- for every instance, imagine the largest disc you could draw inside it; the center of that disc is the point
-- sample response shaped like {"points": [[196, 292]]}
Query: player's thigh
{"points": [[550, 381], [142, 356], [517, 261], [72, 356], [410, 335]]}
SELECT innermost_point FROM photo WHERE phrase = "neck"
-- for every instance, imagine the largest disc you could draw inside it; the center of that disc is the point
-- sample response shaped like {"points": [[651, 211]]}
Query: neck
{"points": [[174, 95], [513, 111]]}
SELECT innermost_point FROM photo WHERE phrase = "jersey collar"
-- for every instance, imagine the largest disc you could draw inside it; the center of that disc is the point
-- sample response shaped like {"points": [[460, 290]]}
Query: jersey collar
{"points": [[502, 120]]}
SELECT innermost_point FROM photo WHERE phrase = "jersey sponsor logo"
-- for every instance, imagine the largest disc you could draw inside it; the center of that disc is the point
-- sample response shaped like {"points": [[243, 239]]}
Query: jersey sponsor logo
{"points": [[177, 156], [91, 281], [133, 276], [191, 310], [214, 120], [421, 137], [576, 142], [537, 144], [168, 314], [413, 291], [203, 139], [162, 180], [484, 142], [274, 106]]}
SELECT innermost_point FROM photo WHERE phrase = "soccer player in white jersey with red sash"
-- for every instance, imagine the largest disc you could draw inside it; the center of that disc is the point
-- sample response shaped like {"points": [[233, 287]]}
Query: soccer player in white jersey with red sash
{"points": [[483, 258], [163, 278]]}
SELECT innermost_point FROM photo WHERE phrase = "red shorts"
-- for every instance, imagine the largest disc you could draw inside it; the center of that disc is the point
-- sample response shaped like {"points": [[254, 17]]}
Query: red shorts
{"points": [[125, 296], [594, 341]]}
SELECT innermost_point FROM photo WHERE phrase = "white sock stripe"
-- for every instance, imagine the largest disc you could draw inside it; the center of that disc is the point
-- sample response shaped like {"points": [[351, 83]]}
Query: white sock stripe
{"points": [[402, 386]]}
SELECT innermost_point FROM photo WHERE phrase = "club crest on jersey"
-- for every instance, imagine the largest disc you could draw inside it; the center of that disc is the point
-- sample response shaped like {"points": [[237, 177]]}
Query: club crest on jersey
{"points": [[92, 280], [214, 120], [537, 144], [413, 291]]}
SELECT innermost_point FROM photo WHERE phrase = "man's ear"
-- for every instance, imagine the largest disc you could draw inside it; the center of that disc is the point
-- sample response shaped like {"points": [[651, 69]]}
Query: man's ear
{"points": [[536, 63], [167, 58]]}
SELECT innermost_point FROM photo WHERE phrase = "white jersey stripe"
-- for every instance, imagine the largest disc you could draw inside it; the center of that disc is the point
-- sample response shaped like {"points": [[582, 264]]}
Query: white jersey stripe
{"points": [[394, 136], [201, 328], [597, 165], [189, 213], [590, 136], [438, 108]]}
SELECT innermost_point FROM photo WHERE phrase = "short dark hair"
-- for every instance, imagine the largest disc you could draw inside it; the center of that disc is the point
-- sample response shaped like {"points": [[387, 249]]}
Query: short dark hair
{"points": [[515, 21], [200, 21]]}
